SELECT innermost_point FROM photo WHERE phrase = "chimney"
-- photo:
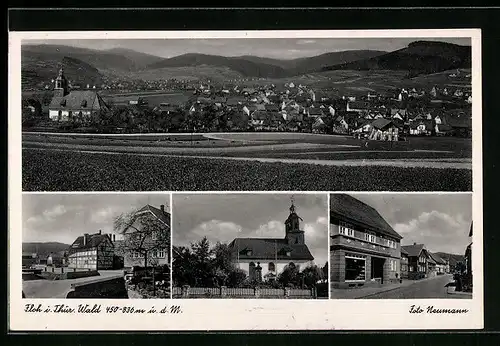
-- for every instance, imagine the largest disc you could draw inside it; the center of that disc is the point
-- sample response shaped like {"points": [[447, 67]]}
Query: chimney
{"points": [[162, 207], [114, 238], [414, 243], [85, 236], [100, 231]]}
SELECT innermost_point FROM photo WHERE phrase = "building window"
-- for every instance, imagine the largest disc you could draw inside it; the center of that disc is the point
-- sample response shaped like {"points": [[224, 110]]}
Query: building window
{"points": [[394, 265], [355, 267], [346, 229], [370, 237], [160, 254], [271, 267], [391, 243]]}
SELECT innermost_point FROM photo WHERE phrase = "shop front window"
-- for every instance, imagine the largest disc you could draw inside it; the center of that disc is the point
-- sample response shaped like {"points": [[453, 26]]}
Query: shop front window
{"points": [[355, 268]]}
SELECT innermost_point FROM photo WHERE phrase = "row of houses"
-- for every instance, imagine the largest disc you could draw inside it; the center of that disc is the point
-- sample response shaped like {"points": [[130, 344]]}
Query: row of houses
{"points": [[104, 251], [366, 250], [292, 108]]}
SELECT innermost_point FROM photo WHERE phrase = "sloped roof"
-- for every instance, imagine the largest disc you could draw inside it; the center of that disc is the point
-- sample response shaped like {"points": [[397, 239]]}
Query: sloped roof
{"points": [[382, 123], [395, 111], [273, 107], [359, 105], [444, 127], [315, 111], [234, 100], [161, 215], [79, 99], [403, 251], [269, 249], [93, 240], [458, 121], [436, 258], [428, 124], [413, 250], [353, 209]]}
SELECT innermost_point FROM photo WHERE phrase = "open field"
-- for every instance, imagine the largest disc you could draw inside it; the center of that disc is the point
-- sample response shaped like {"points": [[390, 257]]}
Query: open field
{"points": [[47, 170], [243, 161], [258, 145]]}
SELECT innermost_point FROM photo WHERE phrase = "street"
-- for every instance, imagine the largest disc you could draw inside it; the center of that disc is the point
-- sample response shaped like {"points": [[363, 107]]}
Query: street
{"points": [[427, 288], [34, 286]]}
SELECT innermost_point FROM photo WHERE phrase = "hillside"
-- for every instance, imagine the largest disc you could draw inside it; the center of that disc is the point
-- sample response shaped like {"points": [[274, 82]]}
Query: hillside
{"points": [[420, 57], [202, 72], [253, 66], [37, 72], [44, 249], [315, 63], [244, 67], [118, 59], [453, 258]]}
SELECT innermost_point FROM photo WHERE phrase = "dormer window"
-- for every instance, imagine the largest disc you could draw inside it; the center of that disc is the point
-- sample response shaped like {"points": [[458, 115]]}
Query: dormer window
{"points": [[288, 253], [249, 252], [63, 102]]}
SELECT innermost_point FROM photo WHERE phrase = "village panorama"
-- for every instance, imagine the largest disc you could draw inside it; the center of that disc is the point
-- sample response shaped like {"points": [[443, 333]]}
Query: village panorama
{"points": [[262, 114]]}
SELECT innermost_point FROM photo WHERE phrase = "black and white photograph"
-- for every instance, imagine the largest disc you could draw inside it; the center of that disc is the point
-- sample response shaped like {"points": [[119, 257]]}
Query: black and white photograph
{"points": [[401, 246], [251, 246], [96, 246], [248, 114]]}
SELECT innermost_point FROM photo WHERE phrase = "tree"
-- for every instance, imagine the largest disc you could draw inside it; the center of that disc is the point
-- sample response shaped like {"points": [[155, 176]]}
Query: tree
{"points": [[144, 236], [289, 277], [202, 259], [325, 272], [311, 275], [182, 266]]}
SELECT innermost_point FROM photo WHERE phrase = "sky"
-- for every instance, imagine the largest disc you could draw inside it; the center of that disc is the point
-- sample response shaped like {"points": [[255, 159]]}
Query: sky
{"points": [[226, 217], [440, 221], [64, 217], [278, 48]]}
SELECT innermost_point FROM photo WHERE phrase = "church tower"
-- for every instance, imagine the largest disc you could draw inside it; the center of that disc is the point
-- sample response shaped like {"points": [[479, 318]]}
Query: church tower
{"points": [[61, 85], [293, 234]]}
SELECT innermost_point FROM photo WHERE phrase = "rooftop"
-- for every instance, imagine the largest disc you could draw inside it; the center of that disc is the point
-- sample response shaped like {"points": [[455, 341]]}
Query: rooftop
{"points": [[346, 206]]}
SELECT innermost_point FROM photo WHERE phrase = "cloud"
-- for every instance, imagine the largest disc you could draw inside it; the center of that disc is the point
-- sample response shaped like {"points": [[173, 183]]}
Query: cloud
{"points": [[437, 230], [54, 212], [316, 235], [215, 230], [272, 229], [105, 215]]}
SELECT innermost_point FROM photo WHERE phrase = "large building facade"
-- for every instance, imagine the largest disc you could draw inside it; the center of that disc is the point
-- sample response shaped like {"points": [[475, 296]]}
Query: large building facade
{"points": [[91, 252], [264, 259], [364, 249], [420, 262], [147, 239]]}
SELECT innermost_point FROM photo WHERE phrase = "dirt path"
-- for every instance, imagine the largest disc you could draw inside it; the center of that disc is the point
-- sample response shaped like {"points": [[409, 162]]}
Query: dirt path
{"points": [[422, 163]]}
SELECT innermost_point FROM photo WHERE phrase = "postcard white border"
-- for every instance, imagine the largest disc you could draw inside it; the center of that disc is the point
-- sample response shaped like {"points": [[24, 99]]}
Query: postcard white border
{"points": [[233, 314]]}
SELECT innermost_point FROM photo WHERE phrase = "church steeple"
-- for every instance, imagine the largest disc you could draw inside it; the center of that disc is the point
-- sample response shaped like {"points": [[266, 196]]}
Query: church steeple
{"points": [[61, 84], [294, 235]]}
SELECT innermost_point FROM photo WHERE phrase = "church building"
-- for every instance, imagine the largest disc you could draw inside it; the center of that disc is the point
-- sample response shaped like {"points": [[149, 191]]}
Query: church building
{"points": [[74, 105], [264, 259]]}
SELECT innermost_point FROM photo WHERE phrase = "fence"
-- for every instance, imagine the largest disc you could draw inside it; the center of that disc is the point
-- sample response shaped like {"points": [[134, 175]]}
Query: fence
{"points": [[243, 293]]}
